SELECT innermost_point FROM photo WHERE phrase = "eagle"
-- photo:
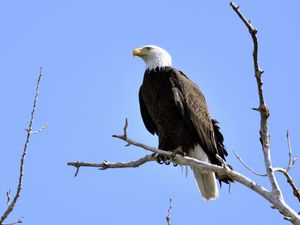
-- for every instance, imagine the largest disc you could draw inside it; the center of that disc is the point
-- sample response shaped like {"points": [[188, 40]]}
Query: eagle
{"points": [[174, 108]]}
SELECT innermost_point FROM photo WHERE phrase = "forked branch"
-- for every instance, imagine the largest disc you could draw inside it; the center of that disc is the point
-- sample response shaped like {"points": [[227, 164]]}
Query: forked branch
{"points": [[288, 213]]}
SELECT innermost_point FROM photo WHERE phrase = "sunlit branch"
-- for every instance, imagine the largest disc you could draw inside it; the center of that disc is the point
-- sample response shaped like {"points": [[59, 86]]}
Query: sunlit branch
{"points": [[108, 165], [12, 204]]}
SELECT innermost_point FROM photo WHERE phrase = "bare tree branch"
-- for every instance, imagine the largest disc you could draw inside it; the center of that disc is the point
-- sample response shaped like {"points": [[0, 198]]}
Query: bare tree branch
{"points": [[107, 165], [279, 204], [44, 126], [168, 217], [291, 159], [289, 213], [8, 197], [21, 174], [290, 181], [15, 222], [263, 109], [247, 167], [179, 159]]}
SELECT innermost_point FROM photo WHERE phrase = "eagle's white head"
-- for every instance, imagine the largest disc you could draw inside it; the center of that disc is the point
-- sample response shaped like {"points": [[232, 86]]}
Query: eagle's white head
{"points": [[153, 56]]}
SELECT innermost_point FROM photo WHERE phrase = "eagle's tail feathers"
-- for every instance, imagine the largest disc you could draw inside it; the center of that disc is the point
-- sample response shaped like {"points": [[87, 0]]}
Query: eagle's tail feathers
{"points": [[207, 185], [206, 181]]}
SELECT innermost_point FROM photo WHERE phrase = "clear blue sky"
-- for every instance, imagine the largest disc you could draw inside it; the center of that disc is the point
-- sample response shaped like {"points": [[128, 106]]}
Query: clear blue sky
{"points": [[90, 85]]}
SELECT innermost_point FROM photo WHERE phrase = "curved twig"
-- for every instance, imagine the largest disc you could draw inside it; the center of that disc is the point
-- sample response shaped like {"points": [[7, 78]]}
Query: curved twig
{"points": [[247, 167]]}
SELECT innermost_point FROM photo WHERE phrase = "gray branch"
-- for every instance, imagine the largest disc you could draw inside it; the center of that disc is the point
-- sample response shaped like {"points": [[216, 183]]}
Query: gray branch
{"points": [[248, 167], [168, 217], [276, 193], [15, 222], [290, 181], [11, 205], [107, 165], [291, 159], [187, 161]]}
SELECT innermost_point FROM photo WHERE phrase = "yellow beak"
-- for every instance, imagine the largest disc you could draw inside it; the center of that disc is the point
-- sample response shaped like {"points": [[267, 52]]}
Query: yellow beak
{"points": [[137, 52]]}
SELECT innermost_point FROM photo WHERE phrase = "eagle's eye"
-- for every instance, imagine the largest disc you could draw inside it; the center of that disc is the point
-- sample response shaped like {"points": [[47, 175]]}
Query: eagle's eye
{"points": [[148, 48]]}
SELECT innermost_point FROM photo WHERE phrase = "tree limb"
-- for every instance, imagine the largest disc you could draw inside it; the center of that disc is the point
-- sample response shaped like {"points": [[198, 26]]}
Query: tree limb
{"points": [[107, 165], [263, 109], [168, 217], [248, 167], [15, 222], [179, 159], [290, 181], [11, 206], [289, 213]]}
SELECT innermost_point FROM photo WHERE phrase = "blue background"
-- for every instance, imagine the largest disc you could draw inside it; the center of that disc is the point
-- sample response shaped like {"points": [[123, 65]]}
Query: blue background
{"points": [[90, 86]]}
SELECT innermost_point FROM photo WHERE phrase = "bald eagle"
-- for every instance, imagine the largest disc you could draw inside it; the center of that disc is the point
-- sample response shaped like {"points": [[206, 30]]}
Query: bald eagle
{"points": [[174, 108]]}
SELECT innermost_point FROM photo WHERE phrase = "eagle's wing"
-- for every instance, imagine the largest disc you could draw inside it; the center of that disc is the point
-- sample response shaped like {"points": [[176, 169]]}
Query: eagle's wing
{"points": [[149, 124], [192, 105]]}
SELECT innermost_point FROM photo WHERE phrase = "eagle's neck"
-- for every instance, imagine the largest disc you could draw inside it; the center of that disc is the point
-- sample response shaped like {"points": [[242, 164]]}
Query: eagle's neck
{"points": [[158, 61]]}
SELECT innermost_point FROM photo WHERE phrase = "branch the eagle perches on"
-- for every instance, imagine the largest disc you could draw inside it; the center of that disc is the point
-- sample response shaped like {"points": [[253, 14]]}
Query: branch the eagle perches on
{"points": [[274, 196]]}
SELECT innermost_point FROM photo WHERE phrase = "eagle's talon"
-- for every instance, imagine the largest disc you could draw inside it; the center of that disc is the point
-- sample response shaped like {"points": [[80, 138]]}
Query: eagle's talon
{"points": [[167, 162], [161, 159]]}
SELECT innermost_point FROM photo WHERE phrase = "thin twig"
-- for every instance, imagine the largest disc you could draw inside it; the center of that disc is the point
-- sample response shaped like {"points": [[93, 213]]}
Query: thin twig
{"points": [[247, 167], [44, 126], [168, 217], [291, 159], [125, 128], [21, 174], [15, 222], [223, 162], [8, 197], [108, 165]]}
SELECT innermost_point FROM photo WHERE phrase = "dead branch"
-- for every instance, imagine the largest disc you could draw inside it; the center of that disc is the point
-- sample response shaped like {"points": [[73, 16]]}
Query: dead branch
{"points": [[283, 208], [263, 109], [11, 205], [290, 181], [187, 161], [248, 167], [291, 159], [15, 222], [108, 165], [168, 217]]}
